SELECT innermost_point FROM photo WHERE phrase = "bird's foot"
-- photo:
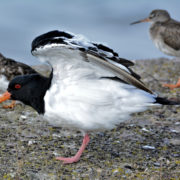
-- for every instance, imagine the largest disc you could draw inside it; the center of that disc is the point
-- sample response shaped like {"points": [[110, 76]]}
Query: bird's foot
{"points": [[68, 160], [10, 106], [78, 154], [172, 86]]}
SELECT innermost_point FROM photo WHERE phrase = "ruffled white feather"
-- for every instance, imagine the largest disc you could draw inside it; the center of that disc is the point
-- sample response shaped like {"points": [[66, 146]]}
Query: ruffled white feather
{"points": [[79, 97], [3, 83]]}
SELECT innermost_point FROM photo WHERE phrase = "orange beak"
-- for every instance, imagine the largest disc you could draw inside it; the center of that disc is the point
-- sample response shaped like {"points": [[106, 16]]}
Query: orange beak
{"points": [[143, 20], [5, 96]]}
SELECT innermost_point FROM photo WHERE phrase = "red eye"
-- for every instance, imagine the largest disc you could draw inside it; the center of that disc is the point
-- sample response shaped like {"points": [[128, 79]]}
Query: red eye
{"points": [[17, 86]]}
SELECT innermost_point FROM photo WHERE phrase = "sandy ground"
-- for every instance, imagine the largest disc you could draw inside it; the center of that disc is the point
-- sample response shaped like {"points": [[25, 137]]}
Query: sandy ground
{"points": [[145, 147]]}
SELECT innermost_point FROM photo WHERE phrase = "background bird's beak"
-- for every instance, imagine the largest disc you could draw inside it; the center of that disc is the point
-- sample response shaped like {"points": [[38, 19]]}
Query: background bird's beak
{"points": [[5, 96], [143, 20]]}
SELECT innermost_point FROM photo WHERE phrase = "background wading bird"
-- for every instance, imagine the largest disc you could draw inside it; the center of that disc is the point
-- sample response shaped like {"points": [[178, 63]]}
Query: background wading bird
{"points": [[165, 33]]}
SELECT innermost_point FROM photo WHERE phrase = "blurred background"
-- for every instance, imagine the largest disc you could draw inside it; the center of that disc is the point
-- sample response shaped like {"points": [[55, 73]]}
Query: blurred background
{"points": [[105, 21]]}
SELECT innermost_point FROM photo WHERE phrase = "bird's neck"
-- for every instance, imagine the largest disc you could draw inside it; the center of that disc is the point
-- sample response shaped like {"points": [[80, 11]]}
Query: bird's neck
{"points": [[37, 102]]}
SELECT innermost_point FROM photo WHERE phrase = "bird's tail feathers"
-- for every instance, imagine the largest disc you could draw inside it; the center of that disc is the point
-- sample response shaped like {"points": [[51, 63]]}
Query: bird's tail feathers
{"points": [[164, 101]]}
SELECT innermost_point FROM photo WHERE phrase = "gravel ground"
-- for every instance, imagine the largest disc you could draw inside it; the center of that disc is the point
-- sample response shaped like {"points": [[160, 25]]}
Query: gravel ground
{"points": [[145, 147]]}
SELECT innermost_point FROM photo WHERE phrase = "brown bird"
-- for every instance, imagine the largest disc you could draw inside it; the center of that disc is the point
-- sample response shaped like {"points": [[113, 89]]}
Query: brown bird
{"points": [[165, 33], [10, 68]]}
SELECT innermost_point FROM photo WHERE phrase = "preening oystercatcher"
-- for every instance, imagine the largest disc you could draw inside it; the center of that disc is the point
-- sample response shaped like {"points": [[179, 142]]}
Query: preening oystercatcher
{"points": [[90, 87], [165, 33]]}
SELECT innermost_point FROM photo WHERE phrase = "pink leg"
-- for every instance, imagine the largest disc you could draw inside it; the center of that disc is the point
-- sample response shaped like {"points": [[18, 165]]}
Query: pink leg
{"points": [[78, 154], [172, 86]]}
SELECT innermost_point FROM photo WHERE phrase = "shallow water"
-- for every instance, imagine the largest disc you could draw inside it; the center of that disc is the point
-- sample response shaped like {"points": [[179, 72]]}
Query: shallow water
{"points": [[101, 21]]}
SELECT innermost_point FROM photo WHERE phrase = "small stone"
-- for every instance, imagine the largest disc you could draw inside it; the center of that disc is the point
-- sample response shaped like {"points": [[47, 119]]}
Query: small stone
{"points": [[177, 123], [146, 147], [144, 129], [175, 141], [31, 142], [174, 131], [23, 117], [156, 164]]}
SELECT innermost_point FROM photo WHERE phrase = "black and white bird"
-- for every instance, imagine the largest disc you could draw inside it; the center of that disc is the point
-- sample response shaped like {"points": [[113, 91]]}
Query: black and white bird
{"points": [[90, 87], [10, 68]]}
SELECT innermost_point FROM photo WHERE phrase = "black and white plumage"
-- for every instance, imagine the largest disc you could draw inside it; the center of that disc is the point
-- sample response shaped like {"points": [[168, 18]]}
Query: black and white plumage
{"points": [[90, 88], [93, 88]]}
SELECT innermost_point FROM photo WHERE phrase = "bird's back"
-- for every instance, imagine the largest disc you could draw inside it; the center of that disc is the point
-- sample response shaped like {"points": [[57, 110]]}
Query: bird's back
{"points": [[80, 98], [11, 68], [166, 36], [92, 87]]}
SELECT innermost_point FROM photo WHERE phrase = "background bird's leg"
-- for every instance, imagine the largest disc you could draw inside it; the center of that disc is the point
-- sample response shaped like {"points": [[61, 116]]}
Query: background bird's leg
{"points": [[12, 105], [78, 154], [172, 86]]}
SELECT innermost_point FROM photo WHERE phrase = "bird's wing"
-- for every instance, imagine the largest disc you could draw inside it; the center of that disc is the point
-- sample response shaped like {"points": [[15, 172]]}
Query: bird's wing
{"points": [[57, 44], [171, 35]]}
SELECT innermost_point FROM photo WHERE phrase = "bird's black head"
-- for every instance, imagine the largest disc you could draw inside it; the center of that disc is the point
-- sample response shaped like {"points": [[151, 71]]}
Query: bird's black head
{"points": [[30, 89]]}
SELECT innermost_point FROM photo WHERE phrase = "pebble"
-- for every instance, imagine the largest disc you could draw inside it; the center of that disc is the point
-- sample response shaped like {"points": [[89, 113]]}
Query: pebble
{"points": [[174, 131], [147, 147], [23, 117], [31, 142], [144, 129]]}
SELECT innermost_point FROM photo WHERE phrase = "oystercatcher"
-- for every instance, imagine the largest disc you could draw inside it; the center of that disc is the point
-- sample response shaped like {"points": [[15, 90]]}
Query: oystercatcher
{"points": [[165, 33], [90, 87]]}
